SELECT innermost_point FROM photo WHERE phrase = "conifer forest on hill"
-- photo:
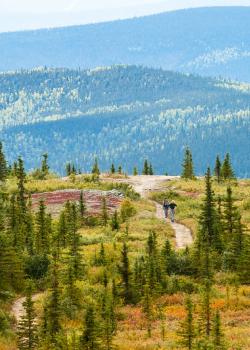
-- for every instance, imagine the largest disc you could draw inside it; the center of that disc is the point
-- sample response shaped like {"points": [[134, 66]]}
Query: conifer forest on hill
{"points": [[125, 184], [112, 276], [122, 114]]}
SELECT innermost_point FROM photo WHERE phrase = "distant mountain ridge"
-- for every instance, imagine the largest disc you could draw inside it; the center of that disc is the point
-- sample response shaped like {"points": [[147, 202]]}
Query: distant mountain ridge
{"points": [[206, 41], [123, 114]]}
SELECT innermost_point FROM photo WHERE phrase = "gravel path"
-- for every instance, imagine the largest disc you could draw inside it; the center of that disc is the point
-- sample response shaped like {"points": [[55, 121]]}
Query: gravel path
{"points": [[144, 184], [18, 309], [183, 235]]}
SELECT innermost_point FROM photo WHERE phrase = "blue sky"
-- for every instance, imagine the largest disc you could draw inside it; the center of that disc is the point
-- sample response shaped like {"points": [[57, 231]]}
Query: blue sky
{"points": [[33, 14]]}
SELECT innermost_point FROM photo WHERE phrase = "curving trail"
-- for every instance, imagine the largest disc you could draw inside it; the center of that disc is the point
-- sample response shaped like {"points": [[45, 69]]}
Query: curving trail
{"points": [[18, 309], [144, 184], [183, 235]]}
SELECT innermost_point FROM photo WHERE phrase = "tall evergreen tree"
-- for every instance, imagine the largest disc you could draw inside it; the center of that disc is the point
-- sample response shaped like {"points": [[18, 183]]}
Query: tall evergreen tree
{"points": [[230, 216], [187, 331], [82, 205], [45, 166], [75, 249], [112, 169], [27, 327], [95, 169], [54, 305], [3, 164], [150, 170], [68, 169], [21, 176], [243, 263], [187, 166], [125, 273], [135, 171], [119, 169], [218, 337], [115, 225], [62, 232], [206, 312], [42, 230], [90, 338], [209, 235], [168, 258], [217, 169], [147, 308], [104, 211], [145, 170], [227, 170]]}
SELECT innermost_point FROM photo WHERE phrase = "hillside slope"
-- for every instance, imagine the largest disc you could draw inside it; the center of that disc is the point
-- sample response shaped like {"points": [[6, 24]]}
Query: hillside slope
{"points": [[207, 41], [123, 114]]}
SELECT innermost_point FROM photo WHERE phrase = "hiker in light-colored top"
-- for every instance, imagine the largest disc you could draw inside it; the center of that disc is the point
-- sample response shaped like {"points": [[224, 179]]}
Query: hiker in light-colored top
{"points": [[172, 207], [165, 206]]}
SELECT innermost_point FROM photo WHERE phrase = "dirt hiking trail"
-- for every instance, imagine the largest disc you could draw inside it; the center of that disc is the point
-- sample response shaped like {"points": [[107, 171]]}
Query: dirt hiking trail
{"points": [[18, 309], [144, 184]]}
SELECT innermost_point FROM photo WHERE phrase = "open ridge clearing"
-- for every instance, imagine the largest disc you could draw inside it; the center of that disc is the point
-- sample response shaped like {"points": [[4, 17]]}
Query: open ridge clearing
{"points": [[144, 184]]}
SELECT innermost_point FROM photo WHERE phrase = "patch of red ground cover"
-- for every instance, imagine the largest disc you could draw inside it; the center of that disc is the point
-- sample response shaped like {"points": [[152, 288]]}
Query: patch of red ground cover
{"points": [[92, 198]]}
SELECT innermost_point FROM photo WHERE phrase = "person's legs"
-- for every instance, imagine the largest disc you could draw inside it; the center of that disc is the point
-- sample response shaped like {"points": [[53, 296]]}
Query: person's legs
{"points": [[166, 212], [172, 214]]}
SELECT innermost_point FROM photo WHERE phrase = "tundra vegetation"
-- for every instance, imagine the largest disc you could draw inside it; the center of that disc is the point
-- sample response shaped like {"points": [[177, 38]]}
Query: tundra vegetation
{"points": [[115, 280]]}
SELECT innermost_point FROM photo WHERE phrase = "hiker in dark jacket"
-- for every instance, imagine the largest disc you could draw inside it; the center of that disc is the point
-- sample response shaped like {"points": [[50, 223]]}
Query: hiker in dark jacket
{"points": [[172, 207], [165, 206]]}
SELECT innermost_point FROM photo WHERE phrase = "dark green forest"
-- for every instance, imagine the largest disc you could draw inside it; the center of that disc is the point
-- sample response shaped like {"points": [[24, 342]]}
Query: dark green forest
{"points": [[123, 114]]}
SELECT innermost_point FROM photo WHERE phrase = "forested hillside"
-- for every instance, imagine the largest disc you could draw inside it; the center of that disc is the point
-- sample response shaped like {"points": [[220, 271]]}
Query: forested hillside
{"points": [[97, 266], [207, 41], [123, 114]]}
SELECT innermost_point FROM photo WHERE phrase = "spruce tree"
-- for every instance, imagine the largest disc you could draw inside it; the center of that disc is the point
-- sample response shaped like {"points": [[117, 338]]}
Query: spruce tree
{"points": [[68, 169], [62, 232], [95, 169], [82, 205], [230, 217], [150, 170], [21, 176], [218, 337], [75, 258], [153, 266], [206, 312], [104, 211], [109, 319], [115, 225], [102, 255], [243, 263], [112, 169], [187, 166], [3, 164], [27, 327], [187, 331], [119, 170], [145, 170], [54, 305], [135, 171], [209, 235], [90, 338], [125, 273], [148, 309], [45, 166], [168, 258], [227, 170], [42, 230], [217, 169]]}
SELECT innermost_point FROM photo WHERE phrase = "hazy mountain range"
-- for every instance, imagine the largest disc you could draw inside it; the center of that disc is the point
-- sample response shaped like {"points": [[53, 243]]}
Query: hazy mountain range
{"points": [[207, 41]]}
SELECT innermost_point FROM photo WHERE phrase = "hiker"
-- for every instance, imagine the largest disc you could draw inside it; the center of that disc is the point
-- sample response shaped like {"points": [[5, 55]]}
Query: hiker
{"points": [[172, 207], [165, 206]]}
